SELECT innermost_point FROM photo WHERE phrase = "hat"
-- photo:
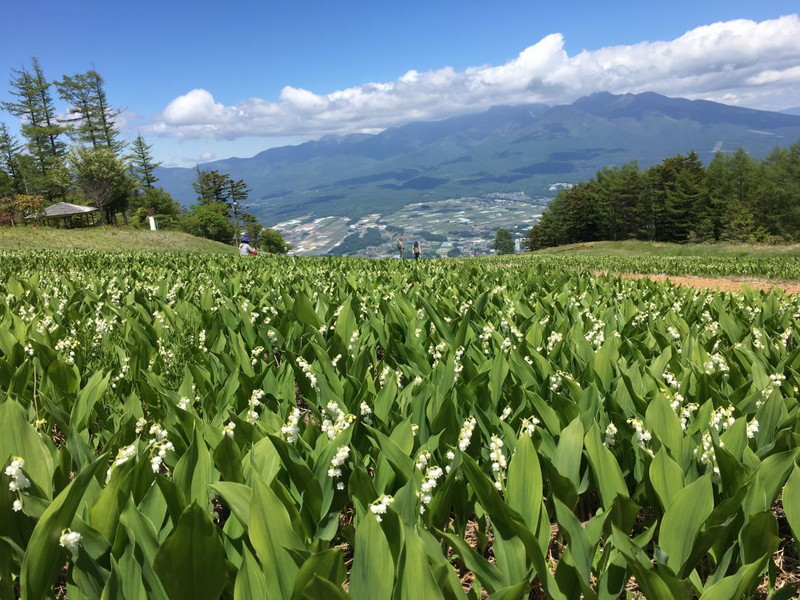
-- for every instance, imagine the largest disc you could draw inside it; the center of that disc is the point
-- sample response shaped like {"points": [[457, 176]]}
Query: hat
{"points": [[245, 239]]}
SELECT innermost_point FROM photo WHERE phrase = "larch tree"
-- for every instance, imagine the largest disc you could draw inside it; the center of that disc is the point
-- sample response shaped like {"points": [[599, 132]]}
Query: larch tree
{"points": [[92, 120], [33, 104]]}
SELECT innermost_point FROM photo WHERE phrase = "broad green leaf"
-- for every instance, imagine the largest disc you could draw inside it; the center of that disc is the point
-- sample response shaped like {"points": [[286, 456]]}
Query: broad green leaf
{"points": [[372, 563], [524, 483], [271, 532], [250, 583], [191, 562], [791, 501], [20, 439], [666, 477], [44, 556], [682, 521]]}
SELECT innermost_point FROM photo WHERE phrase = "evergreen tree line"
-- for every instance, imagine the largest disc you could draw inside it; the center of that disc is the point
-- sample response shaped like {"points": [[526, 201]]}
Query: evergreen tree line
{"points": [[76, 155], [734, 198]]}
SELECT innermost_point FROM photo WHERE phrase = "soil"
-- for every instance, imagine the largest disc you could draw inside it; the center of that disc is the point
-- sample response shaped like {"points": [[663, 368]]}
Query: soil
{"points": [[723, 284]]}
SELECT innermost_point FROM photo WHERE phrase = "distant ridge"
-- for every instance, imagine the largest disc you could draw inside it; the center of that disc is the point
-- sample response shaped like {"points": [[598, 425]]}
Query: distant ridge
{"points": [[506, 149]]}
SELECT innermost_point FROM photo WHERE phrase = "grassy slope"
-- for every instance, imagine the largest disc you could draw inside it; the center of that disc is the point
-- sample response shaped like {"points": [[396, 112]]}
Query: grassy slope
{"points": [[636, 248], [107, 238]]}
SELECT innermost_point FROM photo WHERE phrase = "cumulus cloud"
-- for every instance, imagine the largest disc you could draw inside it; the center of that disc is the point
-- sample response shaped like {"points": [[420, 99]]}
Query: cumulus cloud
{"points": [[737, 62]]}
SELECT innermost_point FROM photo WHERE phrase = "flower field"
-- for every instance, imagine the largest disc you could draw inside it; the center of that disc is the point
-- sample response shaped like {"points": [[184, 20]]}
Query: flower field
{"points": [[200, 427]]}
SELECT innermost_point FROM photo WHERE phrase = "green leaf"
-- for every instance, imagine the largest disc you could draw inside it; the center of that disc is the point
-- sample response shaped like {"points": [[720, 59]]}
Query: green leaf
{"points": [[524, 484], [416, 579], [238, 498], [193, 471], [759, 536], [250, 583], [44, 556], [372, 574], [271, 532], [514, 592], [89, 395], [737, 585], [791, 501], [682, 521], [191, 561], [567, 458], [666, 477], [654, 580], [492, 578], [20, 439], [327, 565], [607, 473]]}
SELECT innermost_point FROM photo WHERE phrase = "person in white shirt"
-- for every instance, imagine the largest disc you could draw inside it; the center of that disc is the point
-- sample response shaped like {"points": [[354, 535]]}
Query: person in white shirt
{"points": [[245, 249]]}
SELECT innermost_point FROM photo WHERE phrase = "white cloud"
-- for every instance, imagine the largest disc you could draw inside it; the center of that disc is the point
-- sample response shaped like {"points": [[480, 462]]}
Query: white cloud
{"points": [[738, 62]]}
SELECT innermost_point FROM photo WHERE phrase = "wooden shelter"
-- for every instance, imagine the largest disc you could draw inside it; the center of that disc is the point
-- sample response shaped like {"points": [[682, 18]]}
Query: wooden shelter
{"points": [[73, 215]]}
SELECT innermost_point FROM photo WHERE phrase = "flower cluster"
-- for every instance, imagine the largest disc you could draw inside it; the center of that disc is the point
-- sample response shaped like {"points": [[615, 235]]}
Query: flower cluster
{"points": [[529, 426], [160, 446], [19, 482], [256, 354], [457, 366], [338, 422], [124, 454], [69, 539], [465, 435], [378, 508], [428, 485], [498, 459], [716, 362], [554, 338], [337, 461], [641, 435], [306, 368], [291, 431], [254, 402], [611, 433]]}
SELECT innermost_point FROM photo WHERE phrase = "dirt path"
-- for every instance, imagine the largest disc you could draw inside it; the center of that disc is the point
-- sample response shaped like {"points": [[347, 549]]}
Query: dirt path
{"points": [[724, 284]]}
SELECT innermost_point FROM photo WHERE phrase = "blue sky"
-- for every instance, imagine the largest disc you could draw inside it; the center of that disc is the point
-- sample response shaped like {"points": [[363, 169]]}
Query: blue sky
{"points": [[206, 80]]}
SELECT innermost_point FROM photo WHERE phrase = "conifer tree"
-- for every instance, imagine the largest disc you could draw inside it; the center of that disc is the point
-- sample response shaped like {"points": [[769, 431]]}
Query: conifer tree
{"points": [[142, 163], [33, 104], [10, 153], [92, 120]]}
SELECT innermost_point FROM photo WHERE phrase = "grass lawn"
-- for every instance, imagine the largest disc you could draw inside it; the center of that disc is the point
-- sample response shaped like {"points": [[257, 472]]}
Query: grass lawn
{"points": [[638, 248], [107, 238]]}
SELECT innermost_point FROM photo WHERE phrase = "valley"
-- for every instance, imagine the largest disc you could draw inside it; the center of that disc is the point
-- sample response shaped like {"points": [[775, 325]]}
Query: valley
{"points": [[463, 226]]}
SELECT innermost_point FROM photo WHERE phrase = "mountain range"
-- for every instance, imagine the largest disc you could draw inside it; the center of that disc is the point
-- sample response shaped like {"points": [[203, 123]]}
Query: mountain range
{"points": [[519, 150]]}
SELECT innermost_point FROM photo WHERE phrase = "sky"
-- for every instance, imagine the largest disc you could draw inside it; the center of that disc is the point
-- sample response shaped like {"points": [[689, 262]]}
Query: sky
{"points": [[207, 80]]}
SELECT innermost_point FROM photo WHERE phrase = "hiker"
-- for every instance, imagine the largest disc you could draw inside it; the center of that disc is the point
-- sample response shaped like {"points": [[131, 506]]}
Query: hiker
{"points": [[401, 248], [416, 250], [245, 249]]}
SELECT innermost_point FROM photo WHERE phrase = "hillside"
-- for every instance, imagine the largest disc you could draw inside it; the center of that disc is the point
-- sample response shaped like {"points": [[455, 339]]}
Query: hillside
{"points": [[521, 150], [107, 238]]}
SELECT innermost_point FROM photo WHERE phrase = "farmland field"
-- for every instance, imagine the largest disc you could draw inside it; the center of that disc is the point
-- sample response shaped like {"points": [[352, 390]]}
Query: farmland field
{"points": [[187, 426]]}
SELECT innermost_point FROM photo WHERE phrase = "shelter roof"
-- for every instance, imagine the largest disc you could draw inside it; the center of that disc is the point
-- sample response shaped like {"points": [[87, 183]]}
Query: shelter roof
{"points": [[65, 209]]}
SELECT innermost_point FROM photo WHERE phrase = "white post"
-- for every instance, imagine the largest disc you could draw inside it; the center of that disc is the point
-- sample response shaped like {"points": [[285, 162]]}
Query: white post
{"points": [[152, 223]]}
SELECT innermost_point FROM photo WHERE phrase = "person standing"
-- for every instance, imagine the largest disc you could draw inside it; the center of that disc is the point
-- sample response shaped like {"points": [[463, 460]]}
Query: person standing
{"points": [[401, 248], [416, 250]]}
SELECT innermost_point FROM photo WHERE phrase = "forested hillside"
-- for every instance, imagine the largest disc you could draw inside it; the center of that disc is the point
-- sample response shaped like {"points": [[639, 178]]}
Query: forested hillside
{"points": [[735, 198]]}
